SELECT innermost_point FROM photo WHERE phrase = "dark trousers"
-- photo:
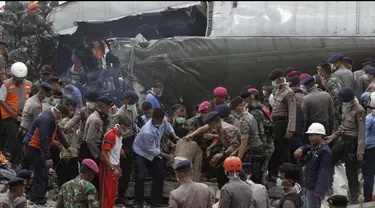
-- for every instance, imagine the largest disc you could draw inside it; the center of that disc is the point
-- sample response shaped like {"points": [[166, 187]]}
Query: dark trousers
{"points": [[13, 143], [368, 171], [221, 178], [346, 151], [157, 170], [281, 154], [126, 168], [84, 153], [40, 180], [66, 170], [255, 157]]}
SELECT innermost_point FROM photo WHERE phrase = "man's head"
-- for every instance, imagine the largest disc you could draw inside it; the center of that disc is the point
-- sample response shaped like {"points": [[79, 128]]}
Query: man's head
{"points": [[27, 175], [22, 46], [45, 92], [293, 78], [348, 62], [213, 120], [158, 89], [104, 105], [183, 170], [220, 94], [337, 201], [124, 123], [179, 113], [19, 72], [277, 77], [45, 73], [288, 175], [232, 166], [204, 108], [308, 83], [237, 104], [55, 82], [346, 95], [89, 169], [131, 99], [91, 98], [57, 96], [158, 116], [147, 109], [17, 187], [223, 111], [370, 72], [324, 69], [316, 133], [32, 8], [72, 106], [336, 61], [60, 111]]}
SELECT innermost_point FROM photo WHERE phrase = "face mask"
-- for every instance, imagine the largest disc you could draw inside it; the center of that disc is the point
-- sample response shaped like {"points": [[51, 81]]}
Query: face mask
{"points": [[180, 120], [24, 50], [365, 77], [74, 81], [279, 183], [46, 100], [69, 96], [264, 93], [55, 101], [346, 104], [90, 105], [131, 107], [110, 115], [332, 66], [274, 85], [157, 125]]}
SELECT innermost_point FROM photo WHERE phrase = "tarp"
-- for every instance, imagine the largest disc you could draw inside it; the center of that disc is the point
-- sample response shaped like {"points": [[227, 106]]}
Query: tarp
{"points": [[191, 67]]}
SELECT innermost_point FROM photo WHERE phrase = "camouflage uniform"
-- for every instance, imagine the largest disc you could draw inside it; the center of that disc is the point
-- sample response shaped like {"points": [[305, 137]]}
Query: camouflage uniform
{"points": [[44, 10], [17, 55], [78, 193], [6, 202], [12, 13], [333, 87]]}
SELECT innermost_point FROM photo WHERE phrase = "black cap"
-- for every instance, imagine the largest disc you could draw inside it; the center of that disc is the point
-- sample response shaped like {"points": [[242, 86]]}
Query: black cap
{"points": [[337, 200], [275, 74], [92, 96], [25, 174], [104, 99], [346, 94], [211, 116], [370, 70], [16, 181]]}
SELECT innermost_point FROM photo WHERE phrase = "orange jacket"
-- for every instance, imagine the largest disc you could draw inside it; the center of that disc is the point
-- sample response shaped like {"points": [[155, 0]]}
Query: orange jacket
{"points": [[16, 96]]}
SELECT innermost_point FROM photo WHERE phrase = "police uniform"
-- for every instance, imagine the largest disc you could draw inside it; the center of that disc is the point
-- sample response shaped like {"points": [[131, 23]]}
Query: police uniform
{"points": [[344, 74], [235, 193], [352, 142], [284, 115], [190, 194], [7, 202]]}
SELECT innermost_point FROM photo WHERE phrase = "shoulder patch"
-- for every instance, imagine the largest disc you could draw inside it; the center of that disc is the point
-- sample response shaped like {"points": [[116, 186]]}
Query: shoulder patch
{"points": [[361, 115]]}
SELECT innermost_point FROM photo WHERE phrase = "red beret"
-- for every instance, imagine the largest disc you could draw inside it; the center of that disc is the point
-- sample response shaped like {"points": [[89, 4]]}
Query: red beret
{"points": [[292, 74]]}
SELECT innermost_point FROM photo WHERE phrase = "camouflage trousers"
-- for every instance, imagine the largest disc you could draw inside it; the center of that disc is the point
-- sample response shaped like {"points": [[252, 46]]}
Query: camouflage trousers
{"points": [[253, 163]]}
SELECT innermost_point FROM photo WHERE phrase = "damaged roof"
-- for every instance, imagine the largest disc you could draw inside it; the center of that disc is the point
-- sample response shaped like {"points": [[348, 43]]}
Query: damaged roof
{"points": [[66, 16]]}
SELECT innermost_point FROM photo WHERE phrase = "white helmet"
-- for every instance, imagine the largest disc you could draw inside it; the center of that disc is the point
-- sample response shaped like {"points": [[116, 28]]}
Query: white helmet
{"points": [[316, 128], [19, 70]]}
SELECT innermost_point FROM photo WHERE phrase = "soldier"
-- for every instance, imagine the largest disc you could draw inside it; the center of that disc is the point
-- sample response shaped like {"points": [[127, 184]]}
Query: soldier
{"points": [[15, 196], [284, 118], [45, 73], [350, 148], [3, 51], [220, 94], [197, 121], [294, 84], [318, 106], [80, 192], [361, 80], [344, 74], [179, 121], [44, 8], [20, 54], [333, 87], [251, 148]]}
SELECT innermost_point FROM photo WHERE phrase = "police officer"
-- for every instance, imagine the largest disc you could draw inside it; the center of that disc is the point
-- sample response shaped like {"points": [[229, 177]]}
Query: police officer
{"points": [[294, 83], [361, 80], [337, 201], [236, 193], [15, 196], [318, 106], [333, 87], [318, 167], [348, 62], [344, 74], [284, 117], [189, 193], [350, 148]]}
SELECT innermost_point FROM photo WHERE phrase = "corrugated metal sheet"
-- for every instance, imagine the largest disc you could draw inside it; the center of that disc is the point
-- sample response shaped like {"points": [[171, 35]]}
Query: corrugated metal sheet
{"points": [[298, 18], [64, 16]]}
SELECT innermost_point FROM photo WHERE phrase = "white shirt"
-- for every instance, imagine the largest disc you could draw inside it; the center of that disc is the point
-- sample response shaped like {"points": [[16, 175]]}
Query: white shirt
{"points": [[115, 155]]}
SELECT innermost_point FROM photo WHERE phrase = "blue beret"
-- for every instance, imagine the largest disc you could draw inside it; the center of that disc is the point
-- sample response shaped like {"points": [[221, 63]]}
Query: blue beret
{"points": [[307, 80], [45, 85], [348, 59], [210, 117], [16, 181], [104, 99], [366, 96], [369, 59], [370, 70], [338, 200], [130, 95], [334, 58], [25, 174], [346, 94], [222, 110], [183, 164]]}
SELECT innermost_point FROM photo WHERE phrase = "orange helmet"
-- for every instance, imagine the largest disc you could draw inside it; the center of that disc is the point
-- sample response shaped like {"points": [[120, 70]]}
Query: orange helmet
{"points": [[32, 5], [232, 164]]}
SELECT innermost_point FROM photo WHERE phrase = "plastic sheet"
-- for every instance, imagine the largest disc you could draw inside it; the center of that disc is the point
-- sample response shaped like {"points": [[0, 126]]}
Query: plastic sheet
{"points": [[191, 67]]}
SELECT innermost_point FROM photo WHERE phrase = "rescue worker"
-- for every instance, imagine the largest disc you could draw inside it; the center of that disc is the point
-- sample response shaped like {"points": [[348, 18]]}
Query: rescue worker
{"points": [[148, 156], [318, 106], [189, 193], [110, 171], [197, 121], [220, 94], [318, 167], [351, 147], [45, 73], [251, 148], [71, 194], [146, 114], [68, 159], [287, 181], [348, 62], [15, 195], [153, 96], [345, 75], [236, 193], [361, 79], [284, 118], [228, 134], [128, 110], [332, 87], [37, 143], [13, 95], [368, 168], [337, 201], [263, 118]]}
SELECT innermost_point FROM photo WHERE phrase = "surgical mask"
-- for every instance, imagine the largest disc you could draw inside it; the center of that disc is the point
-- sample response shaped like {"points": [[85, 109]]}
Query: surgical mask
{"points": [[346, 104], [279, 183], [69, 96], [365, 77], [274, 84], [90, 105], [131, 107], [55, 101], [157, 125], [180, 120], [74, 81], [46, 100]]}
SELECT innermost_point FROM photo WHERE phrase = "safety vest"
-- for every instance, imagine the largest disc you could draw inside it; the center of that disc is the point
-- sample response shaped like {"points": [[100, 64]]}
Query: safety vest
{"points": [[16, 96]]}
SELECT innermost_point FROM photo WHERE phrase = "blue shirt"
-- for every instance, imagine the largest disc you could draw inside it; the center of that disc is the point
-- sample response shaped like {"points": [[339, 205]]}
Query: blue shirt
{"points": [[147, 142], [370, 131], [153, 100], [76, 96]]}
